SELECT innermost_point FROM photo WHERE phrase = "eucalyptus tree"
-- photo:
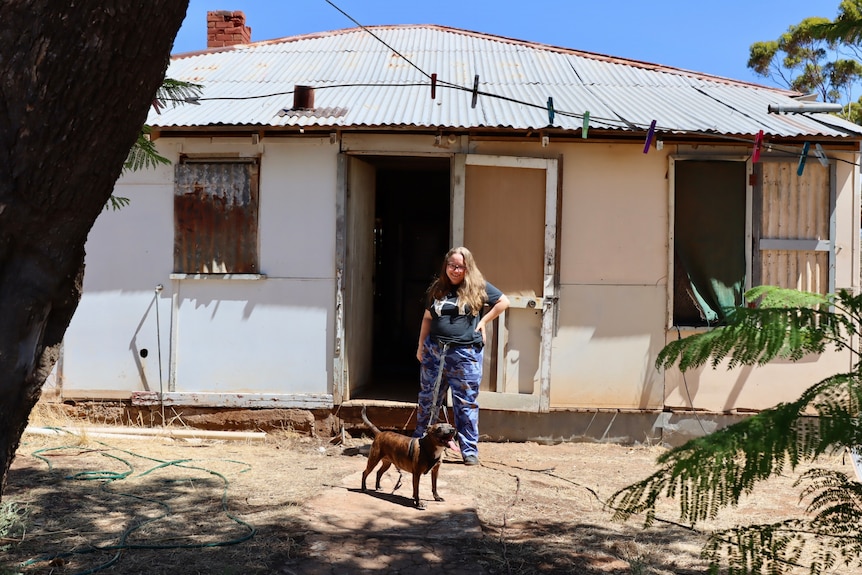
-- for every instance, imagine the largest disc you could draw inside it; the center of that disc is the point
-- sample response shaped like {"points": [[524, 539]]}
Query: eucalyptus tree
{"points": [[817, 56]]}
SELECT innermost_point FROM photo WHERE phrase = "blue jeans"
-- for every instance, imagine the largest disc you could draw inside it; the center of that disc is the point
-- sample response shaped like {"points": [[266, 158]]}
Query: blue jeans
{"points": [[459, 368]]}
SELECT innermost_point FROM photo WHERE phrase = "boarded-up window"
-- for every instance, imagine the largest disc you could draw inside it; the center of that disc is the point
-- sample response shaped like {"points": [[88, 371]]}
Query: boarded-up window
{"points": [[793, 221], [215, 216]]}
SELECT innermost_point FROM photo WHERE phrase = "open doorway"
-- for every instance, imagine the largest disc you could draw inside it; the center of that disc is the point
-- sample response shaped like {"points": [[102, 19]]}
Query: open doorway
{"points": [[411, 236]]}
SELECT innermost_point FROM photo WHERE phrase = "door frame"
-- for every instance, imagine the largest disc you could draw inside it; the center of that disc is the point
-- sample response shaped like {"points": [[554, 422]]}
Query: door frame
{"points": [[507, 396]]}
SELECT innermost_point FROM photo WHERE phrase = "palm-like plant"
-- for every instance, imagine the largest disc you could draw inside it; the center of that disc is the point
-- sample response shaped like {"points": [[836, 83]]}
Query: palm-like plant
{"points": [[712, 472], [143, 153]]}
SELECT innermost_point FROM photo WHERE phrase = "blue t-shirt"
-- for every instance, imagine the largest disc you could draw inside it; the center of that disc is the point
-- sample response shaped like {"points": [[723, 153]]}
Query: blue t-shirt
{"points": [[448, 325]]}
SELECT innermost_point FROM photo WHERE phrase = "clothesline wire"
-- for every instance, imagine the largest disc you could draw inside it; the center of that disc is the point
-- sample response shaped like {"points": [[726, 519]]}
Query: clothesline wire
{"points": [[610, 122]]}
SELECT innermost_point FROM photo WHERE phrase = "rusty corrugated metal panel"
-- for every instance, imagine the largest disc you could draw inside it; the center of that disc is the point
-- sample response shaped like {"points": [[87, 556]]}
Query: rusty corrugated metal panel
{"points": [[796, 208], [371, 86], [215, 217]]}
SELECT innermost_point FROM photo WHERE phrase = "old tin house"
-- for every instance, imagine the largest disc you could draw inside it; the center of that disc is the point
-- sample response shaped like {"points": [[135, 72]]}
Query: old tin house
{"points": [[282, 258]]}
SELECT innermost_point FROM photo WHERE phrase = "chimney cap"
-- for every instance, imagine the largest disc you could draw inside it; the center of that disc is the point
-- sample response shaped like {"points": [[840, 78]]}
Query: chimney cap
{"points": [[303, 97]]}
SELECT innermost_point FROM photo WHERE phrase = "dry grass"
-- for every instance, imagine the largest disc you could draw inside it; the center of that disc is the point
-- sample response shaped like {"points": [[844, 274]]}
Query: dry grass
{"points": [[541, 507]]}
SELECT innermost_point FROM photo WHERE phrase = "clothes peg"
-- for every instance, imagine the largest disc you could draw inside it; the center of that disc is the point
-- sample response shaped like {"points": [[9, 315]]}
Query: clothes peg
{"points": [[550, 111], [649, 136], [586, 127], [758, 142], [801, 166], [475, 90], [433, 86], [821, 155]]}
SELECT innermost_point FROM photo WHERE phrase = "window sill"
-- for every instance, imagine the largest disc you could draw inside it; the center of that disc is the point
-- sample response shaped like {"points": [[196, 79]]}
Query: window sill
{"points": [[690, 329], [244, 277]]}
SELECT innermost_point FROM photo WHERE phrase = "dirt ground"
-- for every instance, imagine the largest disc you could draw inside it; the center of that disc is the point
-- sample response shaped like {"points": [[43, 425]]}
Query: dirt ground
{"points": [[289, 504]]}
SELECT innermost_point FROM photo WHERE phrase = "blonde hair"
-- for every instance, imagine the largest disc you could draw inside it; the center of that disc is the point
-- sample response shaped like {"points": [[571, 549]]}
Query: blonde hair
{"points": [[471, 291]]}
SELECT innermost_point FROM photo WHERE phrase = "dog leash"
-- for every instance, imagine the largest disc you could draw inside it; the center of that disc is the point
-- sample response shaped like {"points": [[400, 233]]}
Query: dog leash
{"points": [[435, 411]]}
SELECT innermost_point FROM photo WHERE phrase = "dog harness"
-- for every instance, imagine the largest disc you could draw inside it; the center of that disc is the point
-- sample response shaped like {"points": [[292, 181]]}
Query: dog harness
{"points": [[411, 449]]}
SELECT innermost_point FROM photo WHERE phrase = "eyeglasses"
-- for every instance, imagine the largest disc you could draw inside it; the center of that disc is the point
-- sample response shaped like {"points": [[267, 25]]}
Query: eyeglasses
{"points": [[455, 268]]}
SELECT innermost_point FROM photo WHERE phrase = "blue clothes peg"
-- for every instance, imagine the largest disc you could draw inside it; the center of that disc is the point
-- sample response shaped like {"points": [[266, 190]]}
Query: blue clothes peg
{"points": [[801, 166]]}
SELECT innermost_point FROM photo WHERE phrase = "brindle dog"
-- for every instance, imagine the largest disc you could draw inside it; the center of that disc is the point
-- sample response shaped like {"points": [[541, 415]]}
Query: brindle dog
{"points": [[418, 456]]}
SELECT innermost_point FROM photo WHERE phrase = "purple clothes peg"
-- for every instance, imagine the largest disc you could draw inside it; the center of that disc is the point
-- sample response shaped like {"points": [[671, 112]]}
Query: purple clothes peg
{"points": [[649, 136]]}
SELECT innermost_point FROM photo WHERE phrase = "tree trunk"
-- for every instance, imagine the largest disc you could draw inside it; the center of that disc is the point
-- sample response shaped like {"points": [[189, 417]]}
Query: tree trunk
{"points": [[76, 80]]}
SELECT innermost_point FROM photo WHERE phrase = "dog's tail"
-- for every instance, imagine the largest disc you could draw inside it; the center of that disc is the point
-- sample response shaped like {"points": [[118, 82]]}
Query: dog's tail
{"points": [[373, 427]]}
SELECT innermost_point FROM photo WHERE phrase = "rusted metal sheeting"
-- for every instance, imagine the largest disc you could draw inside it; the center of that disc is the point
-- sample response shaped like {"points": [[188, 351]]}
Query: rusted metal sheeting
{"points": [[215, 217], [796, 215]]}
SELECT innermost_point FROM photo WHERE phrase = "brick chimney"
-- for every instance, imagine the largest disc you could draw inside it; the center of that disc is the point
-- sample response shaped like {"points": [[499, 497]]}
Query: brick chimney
{"points": [[226, 28]]}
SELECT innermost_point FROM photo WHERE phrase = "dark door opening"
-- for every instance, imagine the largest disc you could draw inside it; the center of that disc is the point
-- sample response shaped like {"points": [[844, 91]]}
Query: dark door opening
{"points": [[411, 236]]}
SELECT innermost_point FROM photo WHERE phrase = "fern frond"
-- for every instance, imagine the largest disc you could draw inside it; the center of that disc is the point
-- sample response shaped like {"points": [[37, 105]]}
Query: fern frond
{"points": [[709, 473], [714, 471], [177, 92], [834, 498], [786, 324], [143, 154], [778, 548], [117, 202]]}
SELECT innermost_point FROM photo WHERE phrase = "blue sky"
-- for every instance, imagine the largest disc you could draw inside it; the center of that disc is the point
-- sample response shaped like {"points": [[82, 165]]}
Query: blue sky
{"points": [[711, 36]]}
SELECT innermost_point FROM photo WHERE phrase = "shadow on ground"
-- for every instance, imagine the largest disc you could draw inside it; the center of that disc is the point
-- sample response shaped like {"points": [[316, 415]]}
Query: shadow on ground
{"points": [[123, 513]]}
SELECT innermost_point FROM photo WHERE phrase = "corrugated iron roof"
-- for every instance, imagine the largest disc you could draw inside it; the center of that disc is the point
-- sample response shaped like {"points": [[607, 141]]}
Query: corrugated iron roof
{"points": [[360, 82]]}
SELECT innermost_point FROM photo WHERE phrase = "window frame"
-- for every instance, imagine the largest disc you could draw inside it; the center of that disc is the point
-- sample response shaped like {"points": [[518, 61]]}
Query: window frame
{"points": [[250, 237], [672, 160], [754, 241]]}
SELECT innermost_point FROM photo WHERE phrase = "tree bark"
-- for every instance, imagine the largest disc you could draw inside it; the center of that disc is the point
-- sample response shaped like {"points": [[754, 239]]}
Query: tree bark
{"points": [[76, 80]]}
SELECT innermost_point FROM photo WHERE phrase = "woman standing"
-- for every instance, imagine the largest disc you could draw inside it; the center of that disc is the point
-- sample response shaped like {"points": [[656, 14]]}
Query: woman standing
{"points": [[451, 342]]}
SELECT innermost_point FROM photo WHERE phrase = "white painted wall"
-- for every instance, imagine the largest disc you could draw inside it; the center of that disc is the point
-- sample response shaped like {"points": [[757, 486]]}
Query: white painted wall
{"points": [[276, 335], [614, 287], [272, 335]]}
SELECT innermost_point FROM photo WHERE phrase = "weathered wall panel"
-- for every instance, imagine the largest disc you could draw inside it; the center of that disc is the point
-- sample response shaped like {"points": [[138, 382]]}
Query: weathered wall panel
{"points": [[795, 208]]}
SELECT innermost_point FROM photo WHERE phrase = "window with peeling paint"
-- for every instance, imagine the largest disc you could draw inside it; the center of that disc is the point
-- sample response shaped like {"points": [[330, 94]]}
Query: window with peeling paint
{"points": [[216, 216]]}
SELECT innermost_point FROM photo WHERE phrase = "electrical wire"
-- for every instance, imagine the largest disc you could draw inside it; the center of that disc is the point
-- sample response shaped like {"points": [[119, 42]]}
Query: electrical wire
{"points": [[786, 149], [632, 125], [619, 121]]}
